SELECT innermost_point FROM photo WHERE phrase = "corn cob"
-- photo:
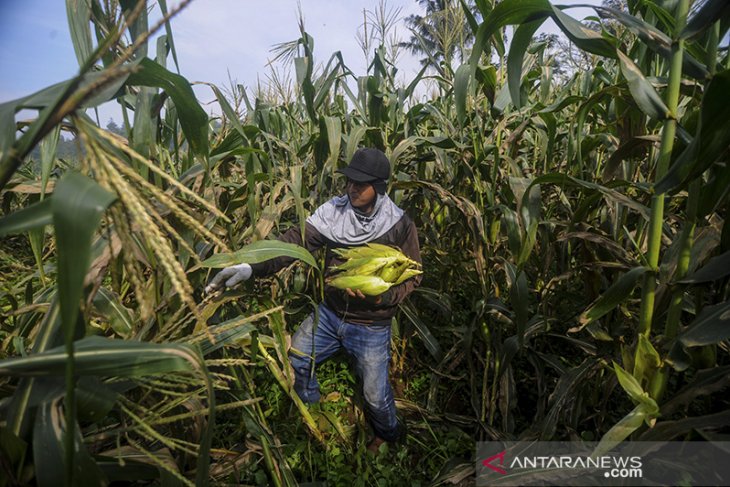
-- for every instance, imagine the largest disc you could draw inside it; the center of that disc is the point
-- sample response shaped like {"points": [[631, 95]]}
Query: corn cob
{"points": [[368, 251], [407, 274], [363, 266], [368, 285], [374, 250], [392, 273]]}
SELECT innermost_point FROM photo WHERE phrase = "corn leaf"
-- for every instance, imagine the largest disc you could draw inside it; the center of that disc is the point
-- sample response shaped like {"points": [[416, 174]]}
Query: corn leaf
{"points": [[48, 101], [630, 385], [710, 12], [461, 91], [48, 336], [711, 326], [77, 205], [514, 236], [429, 340], [716, 268], [403, 147], [303, 67], [408, 92], [228, 336], [48, 145], [562, 103], [647, 360], [94, 399], [231, 116], [521, 39], [655, 40], [641, 90], [678, 357], [473, 24], [334, 140], [627, 149], [7, 126], [99, 356], [119, 317], [324, 83], [353, 141], [706, 382], [13, 450], [79, 15], [501, 99], [586, 107], [583, 37], [715, 190], [519, 298], [709, 144], [138, 27], [48, 450], [668, 430], [29, 218], [614, 295], [193, 119], [487, 79], [621, 430], [168, 32], [106, 357], [144, 131], [260, 251], [508, 12], [564, 394], [563, 180], [529, 202]]}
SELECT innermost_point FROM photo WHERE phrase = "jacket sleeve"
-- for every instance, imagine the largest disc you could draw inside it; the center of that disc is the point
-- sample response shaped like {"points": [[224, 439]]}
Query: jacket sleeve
{"points": [[410, 247], [313, 241]]}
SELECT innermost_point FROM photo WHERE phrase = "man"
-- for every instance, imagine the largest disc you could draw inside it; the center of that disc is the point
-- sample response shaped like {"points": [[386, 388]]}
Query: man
{"points": [[348, 319]]}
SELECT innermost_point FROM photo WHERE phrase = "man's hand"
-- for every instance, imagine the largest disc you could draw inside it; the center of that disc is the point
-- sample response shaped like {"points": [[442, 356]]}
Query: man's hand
{"points": [[358, 294], [231, 276]]}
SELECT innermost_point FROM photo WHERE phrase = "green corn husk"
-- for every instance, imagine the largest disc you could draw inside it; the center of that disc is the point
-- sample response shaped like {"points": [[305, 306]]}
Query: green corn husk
{"points": [[407, 274], [374, 251], [365, 266], [369, 251], [368, 285], [393, 272]]}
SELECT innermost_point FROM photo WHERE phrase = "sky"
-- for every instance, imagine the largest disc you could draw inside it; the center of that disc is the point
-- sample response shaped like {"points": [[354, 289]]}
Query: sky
{"points": [[216, 41]]}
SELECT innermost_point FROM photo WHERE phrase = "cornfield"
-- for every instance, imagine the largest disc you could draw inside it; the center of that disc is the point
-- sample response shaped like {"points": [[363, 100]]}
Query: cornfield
{"points": [[575, 251]]}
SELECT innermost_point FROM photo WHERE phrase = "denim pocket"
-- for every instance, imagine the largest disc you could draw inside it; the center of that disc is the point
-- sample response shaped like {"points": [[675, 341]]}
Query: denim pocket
{"points": [[376, 328]]}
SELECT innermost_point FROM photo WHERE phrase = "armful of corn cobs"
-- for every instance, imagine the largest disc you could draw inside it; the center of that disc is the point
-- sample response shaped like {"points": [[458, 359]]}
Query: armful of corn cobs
{"points": [[372, 269]]}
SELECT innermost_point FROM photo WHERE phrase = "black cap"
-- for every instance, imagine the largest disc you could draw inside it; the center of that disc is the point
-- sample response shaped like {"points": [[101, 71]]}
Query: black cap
{"points": [[367, 165]]}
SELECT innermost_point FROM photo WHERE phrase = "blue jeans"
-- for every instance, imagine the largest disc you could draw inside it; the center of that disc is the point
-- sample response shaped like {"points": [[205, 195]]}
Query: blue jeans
{"points": [[368, 345]]}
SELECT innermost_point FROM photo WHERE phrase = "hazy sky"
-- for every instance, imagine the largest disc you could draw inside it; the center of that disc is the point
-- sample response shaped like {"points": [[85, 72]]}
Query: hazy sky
{"points": [[214, 38]]}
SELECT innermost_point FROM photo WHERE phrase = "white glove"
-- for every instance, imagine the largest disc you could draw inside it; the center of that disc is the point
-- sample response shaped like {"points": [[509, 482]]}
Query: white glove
{"points": [[232, 276]]}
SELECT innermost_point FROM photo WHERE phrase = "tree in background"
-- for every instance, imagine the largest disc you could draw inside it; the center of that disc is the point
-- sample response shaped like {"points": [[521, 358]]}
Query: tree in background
{"points": [[112, 127], [442, 34]]}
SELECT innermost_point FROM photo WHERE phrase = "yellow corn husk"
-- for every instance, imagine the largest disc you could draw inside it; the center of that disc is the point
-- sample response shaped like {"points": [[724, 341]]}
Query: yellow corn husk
{"points": [[369, 251], [386, 250], [373, 251], [407, 274], [391, 273], [364, 267], [368, 285], [364, 252]]}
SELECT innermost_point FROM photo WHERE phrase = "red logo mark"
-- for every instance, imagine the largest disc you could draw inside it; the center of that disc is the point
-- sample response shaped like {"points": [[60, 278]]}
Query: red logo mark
{"points": [[488, 462]]}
